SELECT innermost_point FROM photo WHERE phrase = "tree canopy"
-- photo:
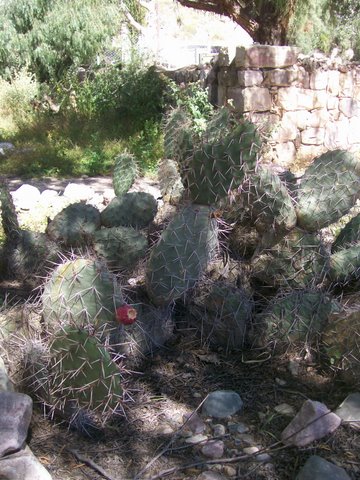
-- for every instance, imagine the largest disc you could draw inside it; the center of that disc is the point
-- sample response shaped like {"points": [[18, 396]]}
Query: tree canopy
{"points": [[307, 23]]}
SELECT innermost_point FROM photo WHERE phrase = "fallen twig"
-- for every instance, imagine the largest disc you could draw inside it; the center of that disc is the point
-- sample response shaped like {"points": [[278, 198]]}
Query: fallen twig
{"points": [[90, 463]]}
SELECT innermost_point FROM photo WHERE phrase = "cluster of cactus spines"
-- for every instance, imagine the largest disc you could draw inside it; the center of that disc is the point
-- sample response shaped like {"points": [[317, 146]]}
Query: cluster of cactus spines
{"points": [[215, 169], [296, 316], [181, 255], [328, 189], [82, 372], [81, 293], [299, 260], [268, 202], [135, 209], [348, 236], [221, 313], [75, 225], [121, 247], [124, 173]]}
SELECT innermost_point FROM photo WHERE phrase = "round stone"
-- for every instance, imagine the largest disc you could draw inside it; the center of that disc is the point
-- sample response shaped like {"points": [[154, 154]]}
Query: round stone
{"points": [[222, 403]]}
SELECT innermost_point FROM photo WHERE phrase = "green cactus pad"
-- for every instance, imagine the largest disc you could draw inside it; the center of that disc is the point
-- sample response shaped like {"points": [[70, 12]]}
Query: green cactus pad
{"points": [[121, 247], [348, 236], [345, 265], [82, 371], [298, 260], [75, 225], [296, 316], [328, 189], [135, 209], [182, 253], [81, 293], [220, 313], [170, 183], [268, 202], [215, 169], [124, 174]]}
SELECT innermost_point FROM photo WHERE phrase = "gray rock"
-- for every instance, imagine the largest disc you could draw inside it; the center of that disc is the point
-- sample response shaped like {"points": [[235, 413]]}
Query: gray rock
{"points": [[312, 422], [22, 465], [199, 438], [6, 148], [349, 410], [5, 383], [15, 416], [222, 403], [238, 427], [213, 449], [194, 423], [219, 430], [26, 197], [209, 475], [316, 468]]}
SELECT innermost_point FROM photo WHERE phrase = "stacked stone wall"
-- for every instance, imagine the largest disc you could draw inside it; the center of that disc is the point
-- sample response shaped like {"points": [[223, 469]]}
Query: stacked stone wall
{"points": [[305, 107]]}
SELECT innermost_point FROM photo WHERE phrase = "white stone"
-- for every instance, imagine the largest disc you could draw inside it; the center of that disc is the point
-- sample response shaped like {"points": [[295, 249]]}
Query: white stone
{"points": [[250, 78], [354, 130], [285, 153], [284, 132], [265, 56], [78, 193], [319, 79], [293, 98], [309, 152], [346, 84], [332, 103], [333, 82], [255, 99], [26, 197], [23, 465], [285, 409], [349, 107], [336, 135]]}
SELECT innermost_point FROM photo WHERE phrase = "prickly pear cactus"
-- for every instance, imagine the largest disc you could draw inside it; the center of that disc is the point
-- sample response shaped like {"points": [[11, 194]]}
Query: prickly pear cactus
{"points": [[82, 372], [341, 342], [178, 141], [121, 247], [268, 202], [170, 183], [298, 316], [348, 236], [181, 255], [124, 174], [135, 209], [81, 293], [214, 169], [75, 225], [221, 313], [328, 189], [345, 266], [9, 218], [299, 260]]}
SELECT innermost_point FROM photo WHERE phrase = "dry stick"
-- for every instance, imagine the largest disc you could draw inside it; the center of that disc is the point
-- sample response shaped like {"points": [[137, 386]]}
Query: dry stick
{"points": [[270, 448], [165, 449], [91, 464]]}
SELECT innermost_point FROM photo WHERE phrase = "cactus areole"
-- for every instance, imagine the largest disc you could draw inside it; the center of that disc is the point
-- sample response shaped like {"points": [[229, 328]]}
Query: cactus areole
{"points": [[126, 315]]}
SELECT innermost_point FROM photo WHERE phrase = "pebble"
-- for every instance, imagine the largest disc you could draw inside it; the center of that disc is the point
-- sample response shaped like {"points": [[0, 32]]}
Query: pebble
{"points": [[238, 427], [209, 475], [193, 422], [213, 449], [349, 410], [316, 468], [222, 403], [219, 430], [250, 450], [245, 438], [285, 409], [196, 439], [312, 422], [229, 471]]}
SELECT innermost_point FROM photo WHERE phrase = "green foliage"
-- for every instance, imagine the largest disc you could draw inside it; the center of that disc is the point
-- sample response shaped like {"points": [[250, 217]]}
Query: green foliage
{"points": [[52, 36]]}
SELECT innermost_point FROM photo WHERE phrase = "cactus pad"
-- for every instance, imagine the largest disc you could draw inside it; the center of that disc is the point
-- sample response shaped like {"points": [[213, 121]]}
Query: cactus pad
{"points": [[181, 255], [124, 174], [349, 235], [135, 209]]}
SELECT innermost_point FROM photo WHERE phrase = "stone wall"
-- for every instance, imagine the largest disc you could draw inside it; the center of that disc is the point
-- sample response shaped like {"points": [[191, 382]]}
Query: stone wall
{"points": [[306, 105]]}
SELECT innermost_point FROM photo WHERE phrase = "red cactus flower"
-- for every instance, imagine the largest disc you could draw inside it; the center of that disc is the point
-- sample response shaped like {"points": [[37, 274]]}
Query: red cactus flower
{"points": [[126, 315]]}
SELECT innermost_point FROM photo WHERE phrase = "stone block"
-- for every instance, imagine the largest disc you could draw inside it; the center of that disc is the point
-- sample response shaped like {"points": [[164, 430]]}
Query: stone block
{"points": [[280, 77], [285, 153], [332, 103], [250, 99], [319, 79], [293, 98], [264, 120], [318, 118], [346, 84], [313, 136], [333, 82], [336, 135], [250, 78], [349, 107], [284, 132], [298, 118], [354, 131], [265, 56], [305, 153]]}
